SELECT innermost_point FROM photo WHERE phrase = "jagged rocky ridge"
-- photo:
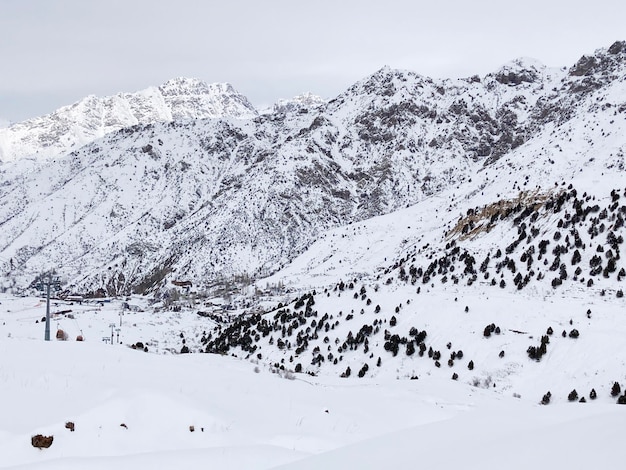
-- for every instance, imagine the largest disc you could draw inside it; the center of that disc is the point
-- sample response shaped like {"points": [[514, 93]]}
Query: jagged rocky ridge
{"points": [[202, 199], [76, 125]]}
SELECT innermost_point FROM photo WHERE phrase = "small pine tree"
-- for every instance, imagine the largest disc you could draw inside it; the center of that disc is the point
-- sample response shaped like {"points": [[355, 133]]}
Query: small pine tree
{"points": [[546, 398], [573, 395], [593, 395], [470, 365], [616, 389]]}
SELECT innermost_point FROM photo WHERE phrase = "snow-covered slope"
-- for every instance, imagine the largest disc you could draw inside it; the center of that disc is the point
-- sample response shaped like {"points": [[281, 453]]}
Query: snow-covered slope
{"points": [[211, 200], [129, 409], [73, 126]]}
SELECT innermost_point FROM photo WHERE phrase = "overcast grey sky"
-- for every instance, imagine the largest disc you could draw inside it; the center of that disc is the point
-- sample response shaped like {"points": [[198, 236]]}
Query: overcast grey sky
{"points": [[54, 52]]}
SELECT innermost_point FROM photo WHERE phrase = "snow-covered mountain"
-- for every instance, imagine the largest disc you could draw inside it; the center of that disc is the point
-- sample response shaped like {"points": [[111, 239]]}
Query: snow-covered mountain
{"points": [[211, 199], [298, 104], [418, 258], [73, 126]]}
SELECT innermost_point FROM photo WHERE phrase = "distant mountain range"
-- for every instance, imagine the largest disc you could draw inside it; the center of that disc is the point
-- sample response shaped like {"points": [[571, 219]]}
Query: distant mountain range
{"points": [[189, 181]]}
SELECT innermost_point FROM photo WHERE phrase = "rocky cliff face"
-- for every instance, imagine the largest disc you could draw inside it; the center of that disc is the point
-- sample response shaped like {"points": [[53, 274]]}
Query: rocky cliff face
{"points": [[208, 198]]}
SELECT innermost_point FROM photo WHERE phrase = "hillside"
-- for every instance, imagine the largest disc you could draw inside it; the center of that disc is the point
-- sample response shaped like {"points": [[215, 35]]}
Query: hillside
{"points": [[214, 199], [129, 408]]}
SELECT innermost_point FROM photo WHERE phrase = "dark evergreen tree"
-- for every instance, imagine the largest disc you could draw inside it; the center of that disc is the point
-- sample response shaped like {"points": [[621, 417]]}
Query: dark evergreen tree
{"points": [[616, 389]]}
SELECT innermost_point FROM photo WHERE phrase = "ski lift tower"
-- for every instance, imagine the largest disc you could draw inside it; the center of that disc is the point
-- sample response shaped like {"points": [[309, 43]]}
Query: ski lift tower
{"points": [[46, 283]]}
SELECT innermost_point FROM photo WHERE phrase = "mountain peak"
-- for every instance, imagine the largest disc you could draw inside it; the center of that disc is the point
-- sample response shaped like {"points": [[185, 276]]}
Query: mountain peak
{"points": [[386, 81], [520, 70], [602, 62], [70, 127], [192, 98], [299, 103], [191, 85], [178, 84]]}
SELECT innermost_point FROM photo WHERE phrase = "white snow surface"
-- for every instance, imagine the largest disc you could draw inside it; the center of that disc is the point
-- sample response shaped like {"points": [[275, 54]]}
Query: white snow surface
{"points": [[246, 417]]}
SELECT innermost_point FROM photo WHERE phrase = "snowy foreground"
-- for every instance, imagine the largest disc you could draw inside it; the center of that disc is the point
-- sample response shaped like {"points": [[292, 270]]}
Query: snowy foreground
{"points": [[246, 417]]}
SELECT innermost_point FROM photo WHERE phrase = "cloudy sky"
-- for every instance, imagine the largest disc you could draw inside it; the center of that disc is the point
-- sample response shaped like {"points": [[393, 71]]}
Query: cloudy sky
{"points": [[54, 52]]}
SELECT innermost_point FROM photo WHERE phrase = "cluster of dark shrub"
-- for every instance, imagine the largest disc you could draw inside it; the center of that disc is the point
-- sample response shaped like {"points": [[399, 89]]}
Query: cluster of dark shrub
{"points": [[298, 329], [491, 328], [579, 214], [593, 395], [536, 352]]}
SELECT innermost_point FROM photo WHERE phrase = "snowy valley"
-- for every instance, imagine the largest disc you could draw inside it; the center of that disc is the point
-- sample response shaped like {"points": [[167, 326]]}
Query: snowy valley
{"points": [[414, 266]]}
